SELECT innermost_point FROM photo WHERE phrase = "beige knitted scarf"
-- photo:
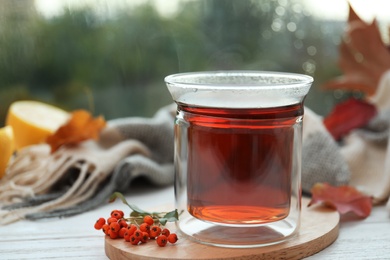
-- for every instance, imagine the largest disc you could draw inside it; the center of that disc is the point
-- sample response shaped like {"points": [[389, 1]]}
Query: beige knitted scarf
{"points": [[74, 179]]}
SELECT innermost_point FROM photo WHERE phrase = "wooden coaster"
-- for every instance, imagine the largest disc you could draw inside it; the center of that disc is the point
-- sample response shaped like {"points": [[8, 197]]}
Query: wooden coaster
{"points": [[319, 229]]}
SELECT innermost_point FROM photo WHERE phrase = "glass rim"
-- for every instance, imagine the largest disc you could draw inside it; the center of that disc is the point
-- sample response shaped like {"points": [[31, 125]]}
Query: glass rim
{"points": [[296, 79]]}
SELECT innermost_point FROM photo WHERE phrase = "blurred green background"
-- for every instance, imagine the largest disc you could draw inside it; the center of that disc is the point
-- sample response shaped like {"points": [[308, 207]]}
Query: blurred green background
{"points": [[112, 61]]}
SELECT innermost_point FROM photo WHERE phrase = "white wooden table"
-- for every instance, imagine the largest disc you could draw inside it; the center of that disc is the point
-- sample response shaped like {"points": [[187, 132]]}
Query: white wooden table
{"points": [[75, 237]]}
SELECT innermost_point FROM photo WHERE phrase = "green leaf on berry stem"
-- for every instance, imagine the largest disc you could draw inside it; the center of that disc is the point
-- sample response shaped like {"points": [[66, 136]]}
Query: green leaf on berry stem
{"points": [[169, 217]]}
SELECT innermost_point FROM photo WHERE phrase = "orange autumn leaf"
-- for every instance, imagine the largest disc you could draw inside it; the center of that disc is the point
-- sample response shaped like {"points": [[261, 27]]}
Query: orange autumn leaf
{"points": [[81, 127], [342, 198], [363, 58]]}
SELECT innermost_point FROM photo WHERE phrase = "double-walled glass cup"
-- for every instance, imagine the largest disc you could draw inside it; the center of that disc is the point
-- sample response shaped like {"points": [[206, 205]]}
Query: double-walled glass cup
{"points": [[238, 140]]}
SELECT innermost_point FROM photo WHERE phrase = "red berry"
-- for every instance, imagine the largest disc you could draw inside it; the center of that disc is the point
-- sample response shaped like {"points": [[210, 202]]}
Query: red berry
{"points": [[162, 240], [132, 228], [138, 234], [172, 238], [121, 213], [110, 220], [112, 234], [144, 227], [134, 240], [123, 223], [165, 232], [114, 226], [117, 214], [99, 223], [155, 231], [148, 220], [144, 237], [122, 232], [105, 228], [127, 237]]}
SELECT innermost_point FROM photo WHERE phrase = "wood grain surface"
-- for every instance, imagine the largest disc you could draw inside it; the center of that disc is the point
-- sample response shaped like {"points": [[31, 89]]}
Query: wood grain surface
{"points": [[75, 238]]}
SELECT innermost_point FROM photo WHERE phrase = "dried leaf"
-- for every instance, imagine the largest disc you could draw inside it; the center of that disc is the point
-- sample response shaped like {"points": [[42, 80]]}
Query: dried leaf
{"points": [[343, 198], [348, 115], [81, 127], [353, 17], [363, 58]]}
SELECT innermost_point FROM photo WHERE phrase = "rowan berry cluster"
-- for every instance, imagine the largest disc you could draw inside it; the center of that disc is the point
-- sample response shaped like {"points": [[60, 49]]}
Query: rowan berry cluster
{"points": [[135, 229]]}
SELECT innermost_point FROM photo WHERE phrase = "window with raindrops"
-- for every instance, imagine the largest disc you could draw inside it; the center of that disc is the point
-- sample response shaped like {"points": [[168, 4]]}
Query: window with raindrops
{"points": [[111, 56]]}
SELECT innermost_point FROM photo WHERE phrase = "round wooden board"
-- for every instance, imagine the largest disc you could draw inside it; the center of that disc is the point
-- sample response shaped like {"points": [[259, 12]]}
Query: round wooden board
{"points": [[319, 229]]}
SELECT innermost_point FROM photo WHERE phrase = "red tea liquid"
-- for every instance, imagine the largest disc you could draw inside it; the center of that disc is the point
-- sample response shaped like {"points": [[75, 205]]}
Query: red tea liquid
{"points": [[240, 163]]}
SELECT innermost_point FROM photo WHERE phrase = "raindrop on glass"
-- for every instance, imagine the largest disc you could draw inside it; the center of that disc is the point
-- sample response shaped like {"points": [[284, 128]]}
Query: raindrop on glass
{"points": [[311, 50], [291, 26]]}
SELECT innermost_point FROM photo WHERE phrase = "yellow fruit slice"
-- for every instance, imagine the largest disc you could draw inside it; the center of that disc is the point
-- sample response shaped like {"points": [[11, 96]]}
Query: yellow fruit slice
{"points": [[32, 122], [6, 147]]}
